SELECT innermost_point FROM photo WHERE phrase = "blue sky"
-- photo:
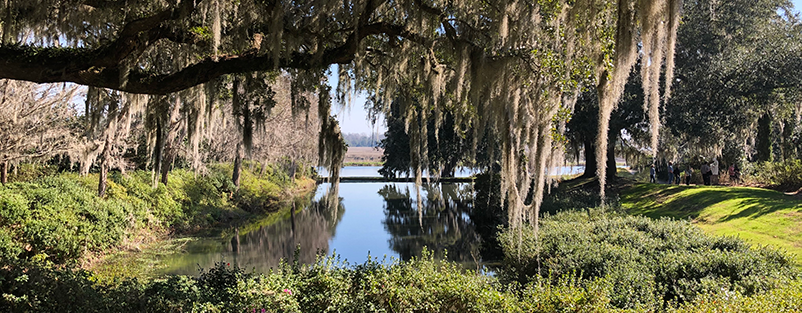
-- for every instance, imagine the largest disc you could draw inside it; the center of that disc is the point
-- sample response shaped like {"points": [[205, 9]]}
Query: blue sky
{"points": [[354, 119]]}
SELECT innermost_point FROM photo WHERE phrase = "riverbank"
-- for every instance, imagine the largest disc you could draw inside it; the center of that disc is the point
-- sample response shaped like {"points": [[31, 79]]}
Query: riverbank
{"points": [[585, 259], [150, 260], [59, 219], [596, 262]]}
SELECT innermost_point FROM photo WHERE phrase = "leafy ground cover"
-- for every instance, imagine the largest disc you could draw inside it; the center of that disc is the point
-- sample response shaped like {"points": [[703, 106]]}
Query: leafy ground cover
{"points": [[760, 216], [728, 283], [60, 219], [647, 264]]}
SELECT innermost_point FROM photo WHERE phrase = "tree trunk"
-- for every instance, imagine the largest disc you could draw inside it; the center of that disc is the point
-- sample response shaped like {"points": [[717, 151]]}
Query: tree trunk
{"points": [[104, 170], [237, 166], [166, 164], [449, 169], [590, 158], [611, 170], [763, 138], [4, 172], [173, 127], [591, 166], [293, 167], [787, 148]]}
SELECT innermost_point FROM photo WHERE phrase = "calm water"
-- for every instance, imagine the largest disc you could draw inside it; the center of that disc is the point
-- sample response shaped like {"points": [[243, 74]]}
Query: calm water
{"points": [[377, 218]]}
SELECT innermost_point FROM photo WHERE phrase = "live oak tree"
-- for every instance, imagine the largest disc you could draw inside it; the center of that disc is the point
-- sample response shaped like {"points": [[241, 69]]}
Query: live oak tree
{"points": [[582, 129], [508, 66], [738, 74]]}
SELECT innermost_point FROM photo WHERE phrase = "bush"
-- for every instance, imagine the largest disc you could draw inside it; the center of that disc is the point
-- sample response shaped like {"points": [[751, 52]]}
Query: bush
{"points": [[60, 218], [786, 175], [786, 298], [418, 285], [649, 263]]}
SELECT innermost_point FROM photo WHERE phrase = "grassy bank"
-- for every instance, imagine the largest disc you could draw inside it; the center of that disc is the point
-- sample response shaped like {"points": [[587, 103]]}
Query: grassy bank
{"points": [[761, 216], [60, 219]]}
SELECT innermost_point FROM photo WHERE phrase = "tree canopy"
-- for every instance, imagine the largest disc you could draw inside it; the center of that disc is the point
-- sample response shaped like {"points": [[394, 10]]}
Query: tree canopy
{"points": [[738, 67], [510, 66]]}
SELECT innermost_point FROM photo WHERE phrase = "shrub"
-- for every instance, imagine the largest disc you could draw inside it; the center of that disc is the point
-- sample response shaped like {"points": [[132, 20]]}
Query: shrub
{"points": [[61, 218], [420, 285], [786, 175], [650, 263], [786, 298]]}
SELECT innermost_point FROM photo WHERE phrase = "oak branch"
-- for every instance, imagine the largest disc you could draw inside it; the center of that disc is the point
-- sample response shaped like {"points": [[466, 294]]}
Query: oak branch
{"points": [[103, 66]]}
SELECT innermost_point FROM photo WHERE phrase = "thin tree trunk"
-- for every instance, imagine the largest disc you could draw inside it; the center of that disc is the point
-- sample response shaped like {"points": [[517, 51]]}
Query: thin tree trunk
{"points": [[4, 172], [611, 170], [166, 164], [293, 166], [787, 148], [169, 148], [104, 170], [763, 138], [237, 166]]}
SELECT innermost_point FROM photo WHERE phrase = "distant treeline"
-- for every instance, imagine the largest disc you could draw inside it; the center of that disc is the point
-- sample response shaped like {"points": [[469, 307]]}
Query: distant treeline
{"points": [[363, 140]]}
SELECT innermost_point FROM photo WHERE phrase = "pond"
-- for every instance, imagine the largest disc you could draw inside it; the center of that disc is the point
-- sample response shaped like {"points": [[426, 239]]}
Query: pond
{"points": [[380, 219]]}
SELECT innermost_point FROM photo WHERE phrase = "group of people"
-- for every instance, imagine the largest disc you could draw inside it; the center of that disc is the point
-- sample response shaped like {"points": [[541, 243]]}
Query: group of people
{"points": [[710, 173]]}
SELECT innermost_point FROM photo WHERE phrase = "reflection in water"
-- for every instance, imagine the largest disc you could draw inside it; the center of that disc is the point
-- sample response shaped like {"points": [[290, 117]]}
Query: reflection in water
{"points": [[442, 223], [382, 219], [263, 247], [310, 229]]}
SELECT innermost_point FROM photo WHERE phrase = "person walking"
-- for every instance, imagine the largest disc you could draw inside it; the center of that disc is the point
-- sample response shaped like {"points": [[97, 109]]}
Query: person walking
{"points": [[651, 175], [688, 174], [714, 171], [677, 174], [705, 173], [670, 173]]}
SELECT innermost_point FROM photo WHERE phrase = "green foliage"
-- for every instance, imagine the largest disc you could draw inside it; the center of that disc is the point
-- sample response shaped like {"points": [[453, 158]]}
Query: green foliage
{"points": [[60, 217], [787, 298], [737, 68], [761, 216], [420, 285], [648, 263], [786, 175]]}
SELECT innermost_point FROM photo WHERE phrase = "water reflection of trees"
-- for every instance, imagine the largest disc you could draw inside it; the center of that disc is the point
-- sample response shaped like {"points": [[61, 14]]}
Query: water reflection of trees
{"points": [[443, 223], [311, 228]]}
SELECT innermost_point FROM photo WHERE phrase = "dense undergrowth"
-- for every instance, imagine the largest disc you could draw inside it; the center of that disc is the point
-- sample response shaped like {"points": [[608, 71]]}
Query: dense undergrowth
{"points": [[645, 263], [583, 260], [59, 217], [785, 175], [603, 262]]}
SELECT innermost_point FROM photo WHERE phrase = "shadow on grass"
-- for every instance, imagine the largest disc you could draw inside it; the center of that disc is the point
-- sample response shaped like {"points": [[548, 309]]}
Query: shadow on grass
{"points": [[687, 202]]}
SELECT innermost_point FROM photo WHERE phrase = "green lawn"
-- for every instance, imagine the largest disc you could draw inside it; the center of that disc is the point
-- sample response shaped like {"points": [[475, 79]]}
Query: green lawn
{"points": [[761, 216]]}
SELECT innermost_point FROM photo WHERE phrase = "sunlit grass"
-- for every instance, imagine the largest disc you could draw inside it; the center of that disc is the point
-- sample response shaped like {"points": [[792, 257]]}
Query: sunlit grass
{"points": [[761, 216]]}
